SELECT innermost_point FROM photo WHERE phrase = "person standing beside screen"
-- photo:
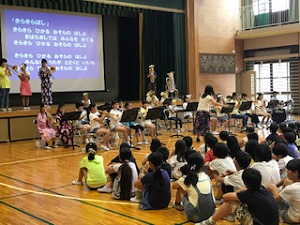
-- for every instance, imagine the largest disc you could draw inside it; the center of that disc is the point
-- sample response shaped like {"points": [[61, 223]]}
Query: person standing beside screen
{"points": [[45, 75], [4, 85]]}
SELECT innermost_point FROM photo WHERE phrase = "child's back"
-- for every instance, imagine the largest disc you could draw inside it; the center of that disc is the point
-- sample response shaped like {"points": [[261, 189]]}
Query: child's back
{"points": [[223, 162]]}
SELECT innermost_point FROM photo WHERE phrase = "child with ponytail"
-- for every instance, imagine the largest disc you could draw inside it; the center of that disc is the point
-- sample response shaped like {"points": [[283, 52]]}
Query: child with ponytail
{"points": [[194, 193], [123, 185], [155, 184], [91, 169]]}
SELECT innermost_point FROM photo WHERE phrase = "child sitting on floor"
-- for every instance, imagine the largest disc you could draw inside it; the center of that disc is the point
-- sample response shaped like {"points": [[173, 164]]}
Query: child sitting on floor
{"points": [[123, 185], [194, 193], [91, 169], [289, 197], [155, 185], [262, 208]]}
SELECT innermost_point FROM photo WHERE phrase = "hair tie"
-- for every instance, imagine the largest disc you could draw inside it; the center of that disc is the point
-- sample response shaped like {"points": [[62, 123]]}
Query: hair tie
{"points": [[91, 150], [193, 167]]}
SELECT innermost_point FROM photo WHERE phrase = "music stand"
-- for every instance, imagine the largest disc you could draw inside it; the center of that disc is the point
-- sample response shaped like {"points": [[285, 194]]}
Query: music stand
{"points": [[129, 116], [71, 116], [245, 106], [155, 114], [228, 111], [192, 107]]}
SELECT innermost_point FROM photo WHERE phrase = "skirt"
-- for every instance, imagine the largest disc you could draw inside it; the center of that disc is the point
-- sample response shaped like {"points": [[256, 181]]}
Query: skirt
{"points": [[25, 88], [202, 123]]}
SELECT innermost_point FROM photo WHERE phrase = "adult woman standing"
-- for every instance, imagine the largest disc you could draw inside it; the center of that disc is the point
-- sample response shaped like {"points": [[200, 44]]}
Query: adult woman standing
{"points": [[202, 120], [45, 75]]}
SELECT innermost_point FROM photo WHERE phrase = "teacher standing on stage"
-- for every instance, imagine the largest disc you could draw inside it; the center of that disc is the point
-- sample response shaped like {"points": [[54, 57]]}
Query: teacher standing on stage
{"points": [[46, 83], [202, 120]]}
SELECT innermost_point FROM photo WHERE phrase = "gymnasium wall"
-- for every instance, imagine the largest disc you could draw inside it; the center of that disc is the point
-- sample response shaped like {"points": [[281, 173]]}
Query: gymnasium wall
{"points": [[214, 25]]}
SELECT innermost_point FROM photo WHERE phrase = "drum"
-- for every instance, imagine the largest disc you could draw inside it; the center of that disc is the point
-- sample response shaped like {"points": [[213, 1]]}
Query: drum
{"points": [[279, 115]]}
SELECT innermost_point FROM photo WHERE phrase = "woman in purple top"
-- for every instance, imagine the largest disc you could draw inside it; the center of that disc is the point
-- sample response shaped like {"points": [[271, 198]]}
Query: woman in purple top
{"points": [[155, 185]]}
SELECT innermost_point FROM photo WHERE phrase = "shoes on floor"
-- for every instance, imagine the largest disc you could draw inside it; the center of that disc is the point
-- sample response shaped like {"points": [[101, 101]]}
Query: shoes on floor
{"points": [[54, 146], [48, 147], [215, 132], [198, 139], [205, 222], [105, 148], [9, 109], [177, 206], [139, 143], [76, 182], [105, 189], [145, 142], [135, 199]]}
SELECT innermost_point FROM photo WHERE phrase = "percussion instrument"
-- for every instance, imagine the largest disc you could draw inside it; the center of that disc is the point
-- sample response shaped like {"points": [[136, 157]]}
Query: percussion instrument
{"points": [[279, 115]]}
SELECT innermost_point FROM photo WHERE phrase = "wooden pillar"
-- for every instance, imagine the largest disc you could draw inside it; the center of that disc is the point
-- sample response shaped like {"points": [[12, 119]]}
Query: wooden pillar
{"points": [[191, 48]]}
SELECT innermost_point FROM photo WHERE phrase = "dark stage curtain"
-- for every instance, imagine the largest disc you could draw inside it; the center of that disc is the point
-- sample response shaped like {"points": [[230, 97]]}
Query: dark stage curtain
{"points": [[129, 58], [164, 46], [180, 52]]}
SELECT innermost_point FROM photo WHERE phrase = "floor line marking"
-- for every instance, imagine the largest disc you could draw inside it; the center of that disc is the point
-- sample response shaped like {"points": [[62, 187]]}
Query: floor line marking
{"points": [[27, 213], [87, 203]]}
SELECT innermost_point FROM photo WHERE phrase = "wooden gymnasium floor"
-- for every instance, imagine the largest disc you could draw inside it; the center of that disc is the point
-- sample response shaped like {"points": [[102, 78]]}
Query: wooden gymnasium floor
{"points": [[36, 188]]}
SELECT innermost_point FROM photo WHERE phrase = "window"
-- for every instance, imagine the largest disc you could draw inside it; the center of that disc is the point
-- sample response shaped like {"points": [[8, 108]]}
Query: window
{"points": [[273, 77], [280, 5], [260, 6], [263, 6]]}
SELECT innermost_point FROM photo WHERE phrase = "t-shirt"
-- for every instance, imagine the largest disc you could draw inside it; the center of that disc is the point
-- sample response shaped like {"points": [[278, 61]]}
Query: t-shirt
{"points": [[95, 171], [222, 165], [134, 173], [4, 79], [176, 173], [204, 103], [235, 180], [209, 156], [115, 117], [93, 122], [273, 138], [158, 198], [293, 150], [235, 108], [291, 194], [269, 171], [282, 165], [261, 206], [203, 185]]}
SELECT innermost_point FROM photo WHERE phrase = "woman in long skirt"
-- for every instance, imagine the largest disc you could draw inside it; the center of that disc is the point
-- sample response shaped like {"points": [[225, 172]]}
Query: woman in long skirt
{"points": [[202, 120]]}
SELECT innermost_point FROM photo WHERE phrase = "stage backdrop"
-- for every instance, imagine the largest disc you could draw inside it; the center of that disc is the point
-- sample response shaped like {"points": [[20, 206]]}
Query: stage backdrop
{"points": [[116, 58]]}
